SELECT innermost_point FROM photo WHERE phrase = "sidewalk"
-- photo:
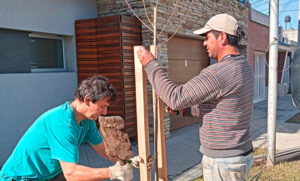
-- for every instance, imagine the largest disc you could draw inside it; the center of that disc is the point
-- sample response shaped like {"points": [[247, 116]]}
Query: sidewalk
{"points": [[183, 157], [287, 134]]}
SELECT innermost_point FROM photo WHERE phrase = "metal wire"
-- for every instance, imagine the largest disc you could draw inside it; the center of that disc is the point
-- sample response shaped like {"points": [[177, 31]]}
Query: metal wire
{"points": [[266, 51], [261, 166]]}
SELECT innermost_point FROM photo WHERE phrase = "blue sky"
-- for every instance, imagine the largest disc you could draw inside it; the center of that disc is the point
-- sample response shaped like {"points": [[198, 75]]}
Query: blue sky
{"points": [[286, 7]]}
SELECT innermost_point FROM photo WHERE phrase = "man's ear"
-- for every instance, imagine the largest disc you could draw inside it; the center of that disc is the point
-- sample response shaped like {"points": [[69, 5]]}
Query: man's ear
{"points": [[86, 101], [223, 38]]}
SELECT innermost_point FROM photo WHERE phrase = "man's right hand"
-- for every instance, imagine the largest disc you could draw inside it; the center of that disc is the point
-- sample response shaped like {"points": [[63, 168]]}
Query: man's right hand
{"points": [[144, 55], [123, 173]]}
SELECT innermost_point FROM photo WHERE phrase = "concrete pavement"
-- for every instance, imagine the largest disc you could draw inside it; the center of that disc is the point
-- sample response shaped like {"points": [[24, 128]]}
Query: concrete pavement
{"points": [[287, 134]]}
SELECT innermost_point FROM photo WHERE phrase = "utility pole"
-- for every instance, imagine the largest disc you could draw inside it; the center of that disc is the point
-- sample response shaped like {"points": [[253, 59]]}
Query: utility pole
{"points": [[298, 43], [272, 90]]}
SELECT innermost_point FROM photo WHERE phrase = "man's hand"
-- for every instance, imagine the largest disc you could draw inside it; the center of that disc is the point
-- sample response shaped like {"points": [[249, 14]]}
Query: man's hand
{"points": [[144, 55], [171, 111], [135, 162], [123, 173]]}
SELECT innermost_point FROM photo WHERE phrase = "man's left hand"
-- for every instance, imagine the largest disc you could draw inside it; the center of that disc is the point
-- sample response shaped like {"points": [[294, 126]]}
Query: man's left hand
{"points": [[136, 162]]}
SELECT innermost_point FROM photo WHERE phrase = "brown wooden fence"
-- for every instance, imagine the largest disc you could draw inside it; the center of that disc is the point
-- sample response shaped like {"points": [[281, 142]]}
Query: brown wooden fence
{"points": [[105, 46]]}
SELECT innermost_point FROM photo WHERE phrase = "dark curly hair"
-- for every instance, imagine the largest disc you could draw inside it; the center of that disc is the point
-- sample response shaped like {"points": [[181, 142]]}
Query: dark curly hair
{"points": [[95, 88]]}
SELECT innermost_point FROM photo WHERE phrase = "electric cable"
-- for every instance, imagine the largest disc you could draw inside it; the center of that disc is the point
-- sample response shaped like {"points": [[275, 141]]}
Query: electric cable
{"points": [[288, 3], [266, 51]]}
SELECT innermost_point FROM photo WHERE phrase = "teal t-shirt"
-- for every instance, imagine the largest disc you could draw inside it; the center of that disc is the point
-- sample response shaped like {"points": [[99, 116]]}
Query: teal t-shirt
{"points": [[55, 136]]}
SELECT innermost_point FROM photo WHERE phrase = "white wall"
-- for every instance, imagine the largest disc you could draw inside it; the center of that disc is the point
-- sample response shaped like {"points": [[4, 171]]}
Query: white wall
{"points": [[55, 16], [291, 34], [24, 97]]}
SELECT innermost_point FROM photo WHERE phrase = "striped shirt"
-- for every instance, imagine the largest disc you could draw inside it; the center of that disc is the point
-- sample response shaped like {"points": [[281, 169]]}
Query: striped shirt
{"points": [[224, 93]]}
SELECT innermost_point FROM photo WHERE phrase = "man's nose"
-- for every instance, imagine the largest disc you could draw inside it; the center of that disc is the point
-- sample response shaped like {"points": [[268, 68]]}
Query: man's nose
{"points": [[204, 43]]}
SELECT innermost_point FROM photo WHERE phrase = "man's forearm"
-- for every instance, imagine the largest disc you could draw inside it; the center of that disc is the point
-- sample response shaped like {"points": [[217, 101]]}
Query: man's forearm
{"points": [[75, 172], [100, 149]]}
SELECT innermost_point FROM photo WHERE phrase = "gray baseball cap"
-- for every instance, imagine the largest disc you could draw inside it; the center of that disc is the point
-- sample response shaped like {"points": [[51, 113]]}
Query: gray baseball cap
{"points": [[221, 22]]}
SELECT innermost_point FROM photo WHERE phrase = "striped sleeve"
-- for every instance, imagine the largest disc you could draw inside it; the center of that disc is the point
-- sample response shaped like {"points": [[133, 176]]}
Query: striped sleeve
{"points": [[200, 89]]}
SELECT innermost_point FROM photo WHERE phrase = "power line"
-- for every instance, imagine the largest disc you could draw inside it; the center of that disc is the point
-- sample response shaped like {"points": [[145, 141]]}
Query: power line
{"points": [[288, 3], [290, 10], [260, 3]]}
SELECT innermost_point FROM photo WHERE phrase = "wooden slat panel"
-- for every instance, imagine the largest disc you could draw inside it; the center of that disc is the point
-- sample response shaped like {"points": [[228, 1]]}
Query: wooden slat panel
{"points": [[129, 35], [85, 24], [89, 49], [108, 29], [111, 54], [131, 29], [108, 48], [131, 117], [130, 123], [130, 21], [108, 41], [87, 62], [86, 56], [104, 61], [128, 60], [108, 35], [86, 43], [86, 37], [99, 51], [128, 48], [112, 74], [129, 73], [135, 41], [107, 20], [84, 31]]}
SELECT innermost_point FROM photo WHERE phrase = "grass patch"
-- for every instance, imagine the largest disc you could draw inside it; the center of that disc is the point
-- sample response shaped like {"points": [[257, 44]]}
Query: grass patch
{"points": [[294, 119], [199, 179], [259, 151], [287, 170]]}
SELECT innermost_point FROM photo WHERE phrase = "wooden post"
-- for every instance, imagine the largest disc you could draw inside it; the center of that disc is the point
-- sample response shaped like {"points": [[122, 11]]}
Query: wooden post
{"points": [[142, 116], [162, 174], [161, 144]]}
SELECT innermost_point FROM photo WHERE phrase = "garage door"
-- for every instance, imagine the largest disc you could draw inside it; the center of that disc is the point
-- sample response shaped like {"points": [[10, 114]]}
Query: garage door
{"points": [[187, 57]]}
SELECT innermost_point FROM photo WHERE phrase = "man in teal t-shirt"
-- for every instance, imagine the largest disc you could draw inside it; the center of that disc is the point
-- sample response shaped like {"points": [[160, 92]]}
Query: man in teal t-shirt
{"points": [[51, 144]]}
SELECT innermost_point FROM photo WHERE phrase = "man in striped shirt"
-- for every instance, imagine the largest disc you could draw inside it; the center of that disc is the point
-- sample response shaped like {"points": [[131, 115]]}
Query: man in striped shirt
{"points": [[223, 93]]}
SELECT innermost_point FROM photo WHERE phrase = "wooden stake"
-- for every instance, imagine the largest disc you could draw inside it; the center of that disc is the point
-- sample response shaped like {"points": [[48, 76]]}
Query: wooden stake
{"points": [[142, 116], [161, 142]]}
